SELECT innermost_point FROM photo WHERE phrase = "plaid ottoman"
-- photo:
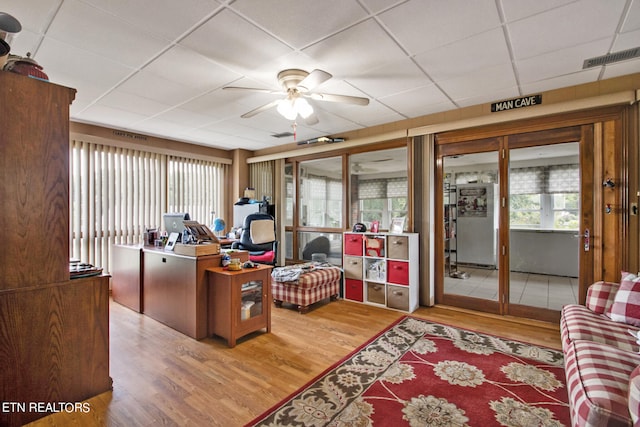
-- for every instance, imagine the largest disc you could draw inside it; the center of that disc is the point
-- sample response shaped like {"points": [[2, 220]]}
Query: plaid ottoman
{"points": [[598, 383], [310, 287]]}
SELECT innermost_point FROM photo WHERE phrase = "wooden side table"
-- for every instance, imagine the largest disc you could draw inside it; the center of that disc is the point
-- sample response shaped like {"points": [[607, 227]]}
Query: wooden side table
{"points": [[239, 301]]}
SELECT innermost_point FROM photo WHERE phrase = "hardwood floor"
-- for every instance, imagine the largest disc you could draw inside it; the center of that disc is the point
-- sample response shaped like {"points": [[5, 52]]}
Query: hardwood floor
{"points": [[161, 377]]}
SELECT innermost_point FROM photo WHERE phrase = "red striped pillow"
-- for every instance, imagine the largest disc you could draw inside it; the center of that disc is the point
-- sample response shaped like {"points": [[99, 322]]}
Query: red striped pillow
{"points": [[626, 305]]}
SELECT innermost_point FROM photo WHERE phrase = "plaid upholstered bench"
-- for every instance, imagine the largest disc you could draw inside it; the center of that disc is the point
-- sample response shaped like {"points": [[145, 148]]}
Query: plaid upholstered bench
{"points": [[601, 361], [305, 287]]}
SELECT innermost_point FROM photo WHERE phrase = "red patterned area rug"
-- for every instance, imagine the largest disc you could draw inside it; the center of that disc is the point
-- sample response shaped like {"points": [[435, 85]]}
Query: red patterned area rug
{"points": [[419, 373]]}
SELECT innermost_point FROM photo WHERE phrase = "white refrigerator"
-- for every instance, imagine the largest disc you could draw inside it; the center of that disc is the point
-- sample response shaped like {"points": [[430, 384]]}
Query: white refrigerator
{"points": [[477, 224]]}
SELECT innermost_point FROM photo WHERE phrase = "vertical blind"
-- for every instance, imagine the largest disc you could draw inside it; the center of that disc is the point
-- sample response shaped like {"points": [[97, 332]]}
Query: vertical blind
{"points": [[116, 193], [261, 176]]}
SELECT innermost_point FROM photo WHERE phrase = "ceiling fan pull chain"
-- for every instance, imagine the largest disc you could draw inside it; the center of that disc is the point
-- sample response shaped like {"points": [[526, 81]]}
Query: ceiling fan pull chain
{"points": [[294, 126]]}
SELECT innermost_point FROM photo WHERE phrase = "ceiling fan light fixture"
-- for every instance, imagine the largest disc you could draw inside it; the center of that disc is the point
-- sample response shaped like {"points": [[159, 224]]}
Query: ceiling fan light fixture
{"points": [[304, 108], [290, 108]]}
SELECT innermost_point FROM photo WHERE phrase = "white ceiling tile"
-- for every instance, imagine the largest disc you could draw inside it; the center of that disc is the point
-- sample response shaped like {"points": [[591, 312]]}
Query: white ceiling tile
{"points": [[166, 18], [632, 23], [420, 25], [559, 62], [106, 115], [390, 78], [88, 28], [191, 69], [67, 65], [561, 81], [487, 98], [418, 102], [278, 18], [376, 6], [234, 43], [518, 9], [622, 68], [23, 11], [487, 80], [574, 24], [465, 56], [149, 85], [625, 41], [360, 48], [133, 103]]}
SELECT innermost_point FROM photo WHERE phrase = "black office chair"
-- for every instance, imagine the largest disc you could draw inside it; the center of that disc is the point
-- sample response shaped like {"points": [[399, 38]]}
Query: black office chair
{"points": [[319, 245], [258, 236]]}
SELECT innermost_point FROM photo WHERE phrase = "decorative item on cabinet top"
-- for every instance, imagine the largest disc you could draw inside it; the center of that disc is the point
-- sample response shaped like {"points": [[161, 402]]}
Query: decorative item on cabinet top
{"points": [[382, 269]]}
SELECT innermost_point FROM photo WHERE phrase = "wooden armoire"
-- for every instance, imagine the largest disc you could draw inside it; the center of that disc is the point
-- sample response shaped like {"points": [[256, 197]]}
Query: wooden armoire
{"points": [[54, 332]]}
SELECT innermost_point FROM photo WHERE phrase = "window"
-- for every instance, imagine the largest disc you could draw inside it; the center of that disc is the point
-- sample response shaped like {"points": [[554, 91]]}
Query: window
{"points": [[379, 187], [116, 193], [321, 193], [545, 197], [381, 200]]}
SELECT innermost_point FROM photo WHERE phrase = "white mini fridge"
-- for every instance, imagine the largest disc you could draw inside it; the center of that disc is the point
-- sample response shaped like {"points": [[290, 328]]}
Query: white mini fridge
{"points": [[477, 224]]}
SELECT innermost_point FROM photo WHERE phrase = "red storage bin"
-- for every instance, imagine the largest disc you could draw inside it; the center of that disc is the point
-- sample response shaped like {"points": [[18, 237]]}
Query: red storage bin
{"points": [[353, 290], [398, 272], [353, 244]]}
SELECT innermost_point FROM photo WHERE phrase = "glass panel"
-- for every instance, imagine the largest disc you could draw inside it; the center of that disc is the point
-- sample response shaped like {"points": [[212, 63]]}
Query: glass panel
{"points": [[312, 242], [471, 225], [251, 305], [288, 195], [544, 219], [321, 193], [379, 187]]}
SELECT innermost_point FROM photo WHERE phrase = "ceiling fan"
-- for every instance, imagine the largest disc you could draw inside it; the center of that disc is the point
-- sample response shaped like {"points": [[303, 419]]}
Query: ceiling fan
{"points": [[298, 85]]}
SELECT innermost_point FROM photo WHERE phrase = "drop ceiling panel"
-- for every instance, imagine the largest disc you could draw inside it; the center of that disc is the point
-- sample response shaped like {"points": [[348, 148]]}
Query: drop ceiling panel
{"points": [[391, 78], [420, 26], [465, 56], [559, 62], [358, 49], [91, 29], [301, 22], [570, 25], [167, 19], [234, 43], [426, 98]]}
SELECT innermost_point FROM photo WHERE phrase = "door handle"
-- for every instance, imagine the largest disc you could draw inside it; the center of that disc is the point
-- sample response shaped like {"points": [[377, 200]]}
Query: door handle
{"points": [[587, 239]]}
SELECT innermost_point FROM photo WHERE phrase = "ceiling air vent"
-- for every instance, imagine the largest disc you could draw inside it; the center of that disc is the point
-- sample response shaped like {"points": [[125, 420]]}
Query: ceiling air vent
{"points": [[611, 57], [282, 135]]}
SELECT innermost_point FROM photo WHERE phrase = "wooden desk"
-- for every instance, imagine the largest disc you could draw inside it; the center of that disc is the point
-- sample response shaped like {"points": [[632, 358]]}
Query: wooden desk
{"points": [[168, 287], [239, 302]]}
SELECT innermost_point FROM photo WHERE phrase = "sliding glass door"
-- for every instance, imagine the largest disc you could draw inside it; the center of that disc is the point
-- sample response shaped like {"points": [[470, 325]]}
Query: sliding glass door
{"points": [[514, 225], [470, 213]]}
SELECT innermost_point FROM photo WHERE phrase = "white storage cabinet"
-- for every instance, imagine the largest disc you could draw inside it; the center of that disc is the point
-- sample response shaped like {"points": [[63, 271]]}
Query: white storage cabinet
{"points": [[381, 269]]}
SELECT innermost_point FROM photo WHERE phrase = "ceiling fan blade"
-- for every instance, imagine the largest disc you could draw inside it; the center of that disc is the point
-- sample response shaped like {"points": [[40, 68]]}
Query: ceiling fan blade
{"points": [[254, 89], [313, 80], [346, 99], [260, 109]]}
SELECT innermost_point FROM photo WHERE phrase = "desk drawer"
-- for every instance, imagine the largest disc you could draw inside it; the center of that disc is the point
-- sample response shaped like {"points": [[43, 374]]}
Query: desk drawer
{"points": [[398, 272], [352, 267]]}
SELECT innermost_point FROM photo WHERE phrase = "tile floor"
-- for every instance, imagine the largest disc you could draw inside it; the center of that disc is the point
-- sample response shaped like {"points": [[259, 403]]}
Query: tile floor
{"points": [[536, 290]]}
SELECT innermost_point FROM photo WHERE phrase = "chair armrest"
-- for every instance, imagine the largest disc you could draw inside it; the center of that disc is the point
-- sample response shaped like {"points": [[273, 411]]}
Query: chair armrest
{"points": [[600, 296]]}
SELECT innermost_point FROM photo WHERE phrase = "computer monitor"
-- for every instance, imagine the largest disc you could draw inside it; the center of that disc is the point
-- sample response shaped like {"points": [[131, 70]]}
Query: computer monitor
{"points": [[173, 222]]}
